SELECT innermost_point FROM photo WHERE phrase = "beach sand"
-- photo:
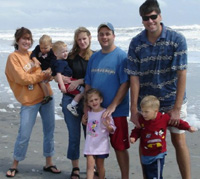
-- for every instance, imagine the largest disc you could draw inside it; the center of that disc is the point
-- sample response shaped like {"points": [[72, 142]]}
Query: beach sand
{"points": [[31, 167]]}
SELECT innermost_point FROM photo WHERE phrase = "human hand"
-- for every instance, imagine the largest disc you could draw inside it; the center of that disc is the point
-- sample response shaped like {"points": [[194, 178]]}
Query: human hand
{"points": [[84, 119], [107, 124], [174, 117], [135, 118], [132, 140], [73, 85], [50, 72], [36, 62], [108, 112], [192, 129], [47, 74], [66, 79], [51, 78], [106, 121]]}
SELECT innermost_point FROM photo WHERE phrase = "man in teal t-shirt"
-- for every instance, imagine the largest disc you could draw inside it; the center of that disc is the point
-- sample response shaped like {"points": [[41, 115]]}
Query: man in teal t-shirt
{"points": [[105, 72]]}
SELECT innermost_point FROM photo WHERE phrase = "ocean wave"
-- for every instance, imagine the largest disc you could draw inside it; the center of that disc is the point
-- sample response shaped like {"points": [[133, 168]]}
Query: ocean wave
{"points": [[123, 36], [186, 27]]}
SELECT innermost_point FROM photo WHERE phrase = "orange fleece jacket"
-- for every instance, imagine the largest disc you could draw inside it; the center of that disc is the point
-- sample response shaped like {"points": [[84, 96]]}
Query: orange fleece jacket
{"points": [[20, 73]]}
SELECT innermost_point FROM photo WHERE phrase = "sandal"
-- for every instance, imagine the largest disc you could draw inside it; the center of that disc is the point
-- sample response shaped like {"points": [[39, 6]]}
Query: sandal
{"points": [[74, 174], [50, 169], [11, 170]]}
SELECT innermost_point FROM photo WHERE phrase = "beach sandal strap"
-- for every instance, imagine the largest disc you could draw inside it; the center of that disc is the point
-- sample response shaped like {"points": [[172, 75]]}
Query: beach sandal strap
{"points": [[74, 174], [11, 171], [49, 169]]}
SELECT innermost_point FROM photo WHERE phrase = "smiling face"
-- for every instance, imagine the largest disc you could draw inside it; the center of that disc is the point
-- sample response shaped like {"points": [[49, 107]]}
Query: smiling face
{"points": [[153, 26], [62, 53], [106, 39], [24, 43], [94, 102]]}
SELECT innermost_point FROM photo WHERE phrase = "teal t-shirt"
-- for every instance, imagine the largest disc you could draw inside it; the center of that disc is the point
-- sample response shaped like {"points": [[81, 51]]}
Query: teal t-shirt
{"points": [[105, 72]]}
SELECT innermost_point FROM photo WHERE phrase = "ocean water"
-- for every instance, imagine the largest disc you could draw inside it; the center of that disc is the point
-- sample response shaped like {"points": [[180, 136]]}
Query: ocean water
{"points": [[123, 38]]}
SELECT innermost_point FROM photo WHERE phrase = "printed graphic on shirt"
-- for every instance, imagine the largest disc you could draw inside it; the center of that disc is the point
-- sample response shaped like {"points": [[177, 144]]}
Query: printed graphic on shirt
{"points": [[161, 132], [154, 140], [106, 71], [28, 67], [43, 56], [92, 126]]}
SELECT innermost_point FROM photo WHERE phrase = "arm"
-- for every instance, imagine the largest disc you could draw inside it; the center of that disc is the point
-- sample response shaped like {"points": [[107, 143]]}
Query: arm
{"points": [[183, 125], [34, 56], [181, 84], [15, 71], [135, 134], [117, 100], [66, 79], [109, 124], [135, 87], [61, 83], [87, 87], [36, 62], [75, 83], [84, 119], [86, 108]]}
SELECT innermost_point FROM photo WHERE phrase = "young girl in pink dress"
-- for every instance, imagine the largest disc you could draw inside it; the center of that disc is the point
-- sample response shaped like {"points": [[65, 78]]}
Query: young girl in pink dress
{"points": [[97, 145]]}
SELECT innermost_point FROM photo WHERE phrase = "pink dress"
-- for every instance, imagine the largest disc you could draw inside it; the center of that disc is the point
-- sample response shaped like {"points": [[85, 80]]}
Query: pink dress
{"points": [[97, 137]]}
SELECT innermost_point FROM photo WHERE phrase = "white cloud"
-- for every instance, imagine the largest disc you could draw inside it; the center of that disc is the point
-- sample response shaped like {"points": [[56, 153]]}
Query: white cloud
{"points": [[66, 13]]}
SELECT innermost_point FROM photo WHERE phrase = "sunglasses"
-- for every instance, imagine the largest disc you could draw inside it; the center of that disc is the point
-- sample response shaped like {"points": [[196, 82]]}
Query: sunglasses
{"points": [[152, 17]]}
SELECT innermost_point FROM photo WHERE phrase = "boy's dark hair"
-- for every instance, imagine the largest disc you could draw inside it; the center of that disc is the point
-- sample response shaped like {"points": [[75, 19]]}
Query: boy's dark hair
{"points": [[148, 6]]}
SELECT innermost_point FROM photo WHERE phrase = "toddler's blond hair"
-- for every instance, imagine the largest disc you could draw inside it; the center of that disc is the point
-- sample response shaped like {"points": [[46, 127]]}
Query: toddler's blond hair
{"points": [[150, 102], [58, 45], [46, 40]]}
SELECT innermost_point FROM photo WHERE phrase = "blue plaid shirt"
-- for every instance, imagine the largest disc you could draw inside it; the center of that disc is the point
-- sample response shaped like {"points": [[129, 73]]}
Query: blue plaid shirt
{"points": [[157, 64]]}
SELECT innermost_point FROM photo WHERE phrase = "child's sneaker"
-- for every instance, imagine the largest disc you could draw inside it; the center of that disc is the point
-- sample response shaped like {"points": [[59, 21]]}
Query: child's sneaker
{"points": [[72, 109]]}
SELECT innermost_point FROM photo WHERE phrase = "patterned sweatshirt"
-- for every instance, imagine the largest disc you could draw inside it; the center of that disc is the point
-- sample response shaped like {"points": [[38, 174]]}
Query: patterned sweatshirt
{"points": [[153, 134]]}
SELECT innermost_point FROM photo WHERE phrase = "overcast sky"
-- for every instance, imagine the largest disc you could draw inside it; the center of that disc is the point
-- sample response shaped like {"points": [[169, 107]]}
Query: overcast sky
{"points": [[75, 13]]}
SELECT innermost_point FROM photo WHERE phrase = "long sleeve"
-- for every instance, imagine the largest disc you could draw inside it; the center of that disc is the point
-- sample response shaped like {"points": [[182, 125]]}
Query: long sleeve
{"points": [[136, 133], [183, 125], [35, 52], [19, 70], [20, 74]]}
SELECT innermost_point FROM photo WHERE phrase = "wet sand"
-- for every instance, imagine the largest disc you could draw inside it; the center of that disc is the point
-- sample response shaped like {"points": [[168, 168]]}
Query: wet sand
{"points": [[32, 166]]}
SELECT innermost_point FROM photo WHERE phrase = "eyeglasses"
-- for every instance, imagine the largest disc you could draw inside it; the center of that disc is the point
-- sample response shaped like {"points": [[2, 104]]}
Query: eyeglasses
{"points": [[152, 17]]}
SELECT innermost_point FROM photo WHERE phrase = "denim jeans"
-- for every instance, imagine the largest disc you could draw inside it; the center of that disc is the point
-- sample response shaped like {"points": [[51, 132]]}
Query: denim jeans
{"points": [[74, 128], [28, 115]]}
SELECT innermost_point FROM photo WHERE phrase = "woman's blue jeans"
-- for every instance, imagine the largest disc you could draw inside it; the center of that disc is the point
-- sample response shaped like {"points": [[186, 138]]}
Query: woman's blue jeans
{"points": [[28, 115], [74, 127]]}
